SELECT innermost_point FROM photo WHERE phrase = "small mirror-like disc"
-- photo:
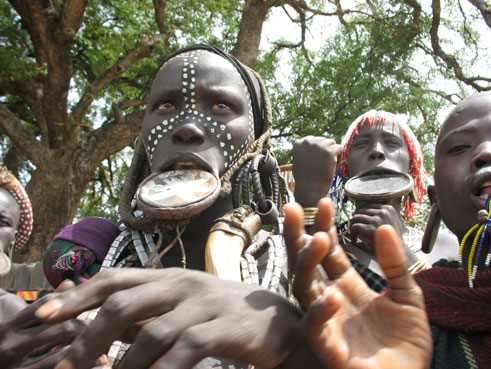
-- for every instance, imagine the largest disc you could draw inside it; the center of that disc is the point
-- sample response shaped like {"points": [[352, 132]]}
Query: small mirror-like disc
{"points": [[177, 194], [383, 187]]}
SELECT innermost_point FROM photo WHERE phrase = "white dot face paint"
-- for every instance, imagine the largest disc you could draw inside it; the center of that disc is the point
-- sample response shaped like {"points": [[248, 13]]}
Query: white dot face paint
{"points": [[217, 104]]}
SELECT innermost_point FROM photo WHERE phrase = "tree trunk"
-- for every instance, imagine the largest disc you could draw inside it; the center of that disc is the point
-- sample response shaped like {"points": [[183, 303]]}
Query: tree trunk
{"points": [[55, 196], [251, 26]]}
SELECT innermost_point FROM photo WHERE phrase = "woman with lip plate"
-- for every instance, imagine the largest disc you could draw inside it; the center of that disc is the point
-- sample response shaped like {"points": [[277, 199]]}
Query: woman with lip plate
{"points": [[376, 143], [457, 293], [204, 144]]}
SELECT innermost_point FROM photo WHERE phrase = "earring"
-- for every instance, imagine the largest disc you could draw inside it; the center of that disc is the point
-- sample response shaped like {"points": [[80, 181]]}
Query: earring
{"points": [[431, 230]]}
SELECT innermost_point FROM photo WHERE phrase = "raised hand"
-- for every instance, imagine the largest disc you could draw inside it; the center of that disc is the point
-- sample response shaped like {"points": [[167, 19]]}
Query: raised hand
{"points": [[348, 324], [368, 219], [314, 163], [188, 315]]}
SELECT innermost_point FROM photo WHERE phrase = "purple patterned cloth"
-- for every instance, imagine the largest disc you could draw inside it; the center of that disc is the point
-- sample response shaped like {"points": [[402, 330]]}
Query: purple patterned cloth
{"points": [[96, 234], [77, 252]]}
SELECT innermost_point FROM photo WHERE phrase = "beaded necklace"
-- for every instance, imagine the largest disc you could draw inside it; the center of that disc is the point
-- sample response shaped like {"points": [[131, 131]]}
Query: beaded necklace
{"points": [[483, 218]]}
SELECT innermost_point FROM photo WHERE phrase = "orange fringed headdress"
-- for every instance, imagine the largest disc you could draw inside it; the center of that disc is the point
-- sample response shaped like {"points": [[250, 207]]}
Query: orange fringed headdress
{"points": [[416, 169]]}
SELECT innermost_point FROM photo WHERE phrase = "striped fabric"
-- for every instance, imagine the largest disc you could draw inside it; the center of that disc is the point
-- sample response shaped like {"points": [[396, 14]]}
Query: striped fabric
{"points": [[372, 279], [460, 316]]}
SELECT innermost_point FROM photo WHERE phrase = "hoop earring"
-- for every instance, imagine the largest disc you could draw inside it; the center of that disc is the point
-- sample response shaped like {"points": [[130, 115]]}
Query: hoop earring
{"points": [[431, 230]]}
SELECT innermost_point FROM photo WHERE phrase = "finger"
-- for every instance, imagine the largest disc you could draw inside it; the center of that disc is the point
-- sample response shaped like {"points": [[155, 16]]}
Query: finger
{"points": [[308, 283], [94, 292], [219, 338], [364, 218], [339, 156], [324, 218], [128, 336], [46, 336], [155, 339], [327, 340], [338, 150], [293, 231], [53, 358], [370, 205], [27, 317], [336, 263], [48, 361], [363, 232], [392, 259], [384, 213], [66, 285], [121, 310], [37, 340], [195, 344]]}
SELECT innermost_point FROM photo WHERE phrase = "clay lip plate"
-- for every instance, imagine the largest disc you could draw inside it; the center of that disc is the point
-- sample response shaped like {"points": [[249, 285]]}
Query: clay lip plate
{"points": [[178, 193], [381, 186]]}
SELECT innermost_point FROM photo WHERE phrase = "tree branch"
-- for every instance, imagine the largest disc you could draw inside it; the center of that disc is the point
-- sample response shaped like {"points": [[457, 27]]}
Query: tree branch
{"points": [[22, 137], [71, 17], [416, 23], [22, 8], [143, 48], [31, 92], [101, 143], [247, 47], [159, 6], [449, 60], [485, 10]]}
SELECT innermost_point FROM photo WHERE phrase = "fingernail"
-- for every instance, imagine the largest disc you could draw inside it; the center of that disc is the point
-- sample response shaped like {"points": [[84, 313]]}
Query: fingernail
{"points": [[64, 364], [48, 309]]}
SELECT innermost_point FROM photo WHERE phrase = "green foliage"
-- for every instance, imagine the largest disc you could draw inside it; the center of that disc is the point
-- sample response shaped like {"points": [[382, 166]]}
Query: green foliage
{"points": [[366, 63], [16, 50], [102, 194]]}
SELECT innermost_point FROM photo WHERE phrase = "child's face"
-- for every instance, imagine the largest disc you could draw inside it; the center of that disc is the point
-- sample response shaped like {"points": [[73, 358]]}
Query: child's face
{"points": [[463, 163], [198, 114], [9, 219], [378, 148]]}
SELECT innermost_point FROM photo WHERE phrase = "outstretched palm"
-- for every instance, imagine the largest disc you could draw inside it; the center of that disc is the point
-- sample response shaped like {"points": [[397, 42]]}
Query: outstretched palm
{"points": [[347, 324]]}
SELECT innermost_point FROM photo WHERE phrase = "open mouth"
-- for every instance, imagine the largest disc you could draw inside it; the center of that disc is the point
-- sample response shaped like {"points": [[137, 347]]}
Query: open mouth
{"points": [[484, 191], [186, 161], [378, 172]]}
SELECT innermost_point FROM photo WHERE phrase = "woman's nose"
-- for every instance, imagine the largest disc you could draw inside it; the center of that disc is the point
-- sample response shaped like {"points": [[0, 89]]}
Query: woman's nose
{"points": [[482, 155], [188, 133], [377, 152]]}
